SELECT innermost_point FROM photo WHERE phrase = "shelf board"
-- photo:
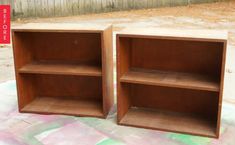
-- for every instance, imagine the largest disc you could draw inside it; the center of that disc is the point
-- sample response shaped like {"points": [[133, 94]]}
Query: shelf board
{"points": [[171, 79], [168, 121], [76, 107], [63, 69]]}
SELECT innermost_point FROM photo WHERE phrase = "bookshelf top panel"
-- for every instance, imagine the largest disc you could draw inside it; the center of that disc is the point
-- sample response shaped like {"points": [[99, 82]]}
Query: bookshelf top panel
{"points": [[176, 34], [59, 27]]}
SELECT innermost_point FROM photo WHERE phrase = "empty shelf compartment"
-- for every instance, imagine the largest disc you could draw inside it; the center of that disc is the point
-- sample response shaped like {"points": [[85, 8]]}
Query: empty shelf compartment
{"points": [[169, 121], [53, 105]]}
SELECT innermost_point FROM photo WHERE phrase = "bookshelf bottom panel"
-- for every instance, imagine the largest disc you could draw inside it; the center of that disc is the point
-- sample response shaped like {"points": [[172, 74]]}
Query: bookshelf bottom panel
{"points": [[53, 105], [169, 121]]}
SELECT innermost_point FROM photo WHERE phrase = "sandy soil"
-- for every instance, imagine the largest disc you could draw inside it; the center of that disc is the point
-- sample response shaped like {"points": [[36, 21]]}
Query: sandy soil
{"points": [[210, 16]]}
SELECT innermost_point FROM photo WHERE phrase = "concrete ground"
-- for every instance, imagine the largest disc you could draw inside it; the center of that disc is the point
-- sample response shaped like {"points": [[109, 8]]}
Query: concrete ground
{"points": [[18, 128]]}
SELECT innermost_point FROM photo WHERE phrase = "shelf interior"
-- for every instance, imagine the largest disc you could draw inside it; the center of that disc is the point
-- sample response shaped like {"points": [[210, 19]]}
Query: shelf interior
{"points": [[59, 50], [64, 106], [46, 93], [61, 68], [176, 106], [171, 79], [173, 63], [171, 121]]}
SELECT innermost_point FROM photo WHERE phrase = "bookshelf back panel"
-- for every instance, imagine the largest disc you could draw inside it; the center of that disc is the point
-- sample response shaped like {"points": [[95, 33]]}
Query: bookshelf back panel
{"points": [[84, 48], [66, 87], [198, 57], [177, 55], [197, 102]]}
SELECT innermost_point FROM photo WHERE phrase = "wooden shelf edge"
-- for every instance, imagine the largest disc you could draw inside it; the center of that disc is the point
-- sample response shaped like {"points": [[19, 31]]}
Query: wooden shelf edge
{"points": [[60, 69], [57, 113], [168, 80]]}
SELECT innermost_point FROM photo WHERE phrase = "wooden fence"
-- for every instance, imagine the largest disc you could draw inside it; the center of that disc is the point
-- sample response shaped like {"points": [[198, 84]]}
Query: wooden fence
{"points": [[51, 8]]}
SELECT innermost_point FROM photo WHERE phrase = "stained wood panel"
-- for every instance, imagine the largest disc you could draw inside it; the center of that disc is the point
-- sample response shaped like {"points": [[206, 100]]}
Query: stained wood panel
{"points": [[204, 103], [48, 105], [145, 54]]}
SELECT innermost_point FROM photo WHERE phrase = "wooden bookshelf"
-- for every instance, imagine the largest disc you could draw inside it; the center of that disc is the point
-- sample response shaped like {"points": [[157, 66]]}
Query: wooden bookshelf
{"points": [[64, 69], [171, 80]]}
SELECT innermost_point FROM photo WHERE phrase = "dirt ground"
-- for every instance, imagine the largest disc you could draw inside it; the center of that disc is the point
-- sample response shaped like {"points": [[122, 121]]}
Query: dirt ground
{"points": [[217, 16]]}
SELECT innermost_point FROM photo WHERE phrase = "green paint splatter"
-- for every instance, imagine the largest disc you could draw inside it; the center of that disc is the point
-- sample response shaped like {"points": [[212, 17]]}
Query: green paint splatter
{"points": [[29, 135], [222, 129], [189, 139], [109, 142]]}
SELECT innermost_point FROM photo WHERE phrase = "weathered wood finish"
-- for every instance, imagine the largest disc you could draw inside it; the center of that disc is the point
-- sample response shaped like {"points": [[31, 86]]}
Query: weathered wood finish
{"points": [[67, 68], [170, 80], [107, 69], [51, 8]]}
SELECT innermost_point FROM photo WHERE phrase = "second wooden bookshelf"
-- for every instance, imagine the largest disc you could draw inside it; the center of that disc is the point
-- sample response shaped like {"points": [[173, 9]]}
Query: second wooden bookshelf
{"points": [[171, 80]]}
